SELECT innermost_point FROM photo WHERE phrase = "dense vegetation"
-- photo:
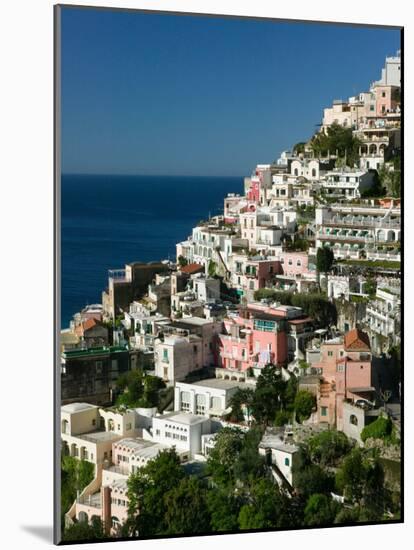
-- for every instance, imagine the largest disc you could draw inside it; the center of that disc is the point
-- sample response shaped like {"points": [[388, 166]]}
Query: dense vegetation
{"points": [[75, 476], [337, 140], [138, 389], [237, 491]]}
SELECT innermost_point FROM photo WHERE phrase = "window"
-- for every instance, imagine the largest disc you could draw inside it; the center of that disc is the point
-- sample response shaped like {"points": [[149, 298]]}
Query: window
{"points": [[287, 462], [200, 404], [298, 263], [383, 94], [129, 426], [353, 420], [324, 411], [165, 355], [157, 432], [330, 353], [93, 421]]}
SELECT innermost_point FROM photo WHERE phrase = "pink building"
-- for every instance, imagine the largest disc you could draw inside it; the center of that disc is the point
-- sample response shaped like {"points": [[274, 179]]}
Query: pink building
{"points": [[294, 263], [253, 339], [345, 365], [253, 194], [386, 99]]}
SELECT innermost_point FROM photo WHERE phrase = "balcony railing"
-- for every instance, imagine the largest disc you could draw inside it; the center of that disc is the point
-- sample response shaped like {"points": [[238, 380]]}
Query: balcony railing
{"points": [[356, 238], [355, 222]]}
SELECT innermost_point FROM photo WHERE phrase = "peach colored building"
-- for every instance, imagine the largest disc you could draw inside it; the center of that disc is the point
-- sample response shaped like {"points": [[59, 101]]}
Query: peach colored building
{"points": [[345, 368]]}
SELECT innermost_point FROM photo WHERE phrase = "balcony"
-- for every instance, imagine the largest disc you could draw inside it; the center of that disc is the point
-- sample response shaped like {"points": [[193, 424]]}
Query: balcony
{"points": [[345, 238], [92, 501], [362, 223]]}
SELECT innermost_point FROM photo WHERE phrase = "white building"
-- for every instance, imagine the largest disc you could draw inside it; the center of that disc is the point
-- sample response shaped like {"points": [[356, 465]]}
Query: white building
{"points": [[181, 430], [282, 454], [349, 183], [209, 397], [177, 354], [362, 231], [383, 317], [391, 73]]}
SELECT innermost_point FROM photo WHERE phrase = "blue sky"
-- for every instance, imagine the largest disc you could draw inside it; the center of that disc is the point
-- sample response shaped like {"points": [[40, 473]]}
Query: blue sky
{"points": [[183, 95]]}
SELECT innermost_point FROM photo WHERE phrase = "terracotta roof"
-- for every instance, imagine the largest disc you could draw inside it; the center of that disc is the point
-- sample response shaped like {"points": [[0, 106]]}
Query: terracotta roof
{"points": [[89, 323], [192, 268], [356, 340], [299, 321]]}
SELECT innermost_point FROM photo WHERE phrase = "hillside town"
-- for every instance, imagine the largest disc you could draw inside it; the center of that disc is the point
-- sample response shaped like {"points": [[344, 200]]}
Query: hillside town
{"points": [[254, 382]]}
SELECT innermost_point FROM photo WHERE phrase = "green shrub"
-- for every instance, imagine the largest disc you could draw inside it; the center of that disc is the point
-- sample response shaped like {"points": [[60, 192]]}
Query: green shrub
{"points": [[381, 428]]}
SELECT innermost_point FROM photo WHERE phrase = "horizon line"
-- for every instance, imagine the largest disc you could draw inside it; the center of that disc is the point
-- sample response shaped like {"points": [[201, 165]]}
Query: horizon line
{"points": [[150, 175]]}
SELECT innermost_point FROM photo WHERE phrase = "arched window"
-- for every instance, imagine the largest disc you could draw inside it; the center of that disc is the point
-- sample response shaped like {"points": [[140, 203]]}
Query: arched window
{"points": [[65, 424], [353, 420], [83, 516], [314, 172], [296, 173]]}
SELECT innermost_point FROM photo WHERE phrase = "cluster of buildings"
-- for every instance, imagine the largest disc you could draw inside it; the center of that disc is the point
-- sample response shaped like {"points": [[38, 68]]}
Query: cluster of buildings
{"points": [[199, 325]]}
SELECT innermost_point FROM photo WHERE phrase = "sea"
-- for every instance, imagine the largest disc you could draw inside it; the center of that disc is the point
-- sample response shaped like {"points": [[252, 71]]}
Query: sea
{"points": [[110, 220]]}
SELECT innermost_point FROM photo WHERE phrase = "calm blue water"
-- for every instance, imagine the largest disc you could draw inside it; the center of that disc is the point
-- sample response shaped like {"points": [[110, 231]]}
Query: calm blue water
{"points": [[108, 221]]}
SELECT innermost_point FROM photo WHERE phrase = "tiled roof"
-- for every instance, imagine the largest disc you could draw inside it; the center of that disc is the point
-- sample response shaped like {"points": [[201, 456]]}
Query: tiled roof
{"points": [[192, 268], [357, 340], [89, 323]]}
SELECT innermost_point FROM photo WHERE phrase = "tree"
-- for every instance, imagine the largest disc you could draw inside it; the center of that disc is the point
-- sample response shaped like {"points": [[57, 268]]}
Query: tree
{"points": [[317, 306], [186, 508], [212, 268], [376, 189], [224, 508], [311, 479], [223, 456], [304, 403], [131, 384], [139, 390], [350, 478], [243, 397], [249, 463], [328, 447], [337, 139], [267, 507], [324, 260], [84, 531], [268, 395], [370, 287], [182, 262], [147, 489], [374, 490], [299, 148], [320, 510]]}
